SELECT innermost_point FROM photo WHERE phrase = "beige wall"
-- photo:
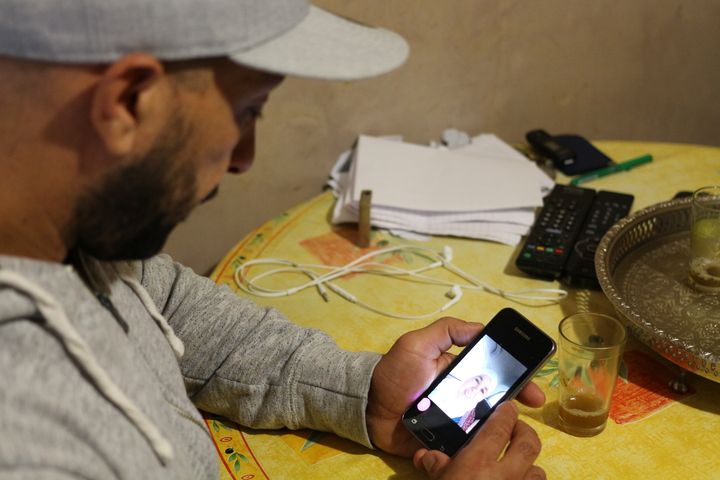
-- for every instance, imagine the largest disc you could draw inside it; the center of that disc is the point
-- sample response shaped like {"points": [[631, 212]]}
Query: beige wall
{"points": [[607, 69]]}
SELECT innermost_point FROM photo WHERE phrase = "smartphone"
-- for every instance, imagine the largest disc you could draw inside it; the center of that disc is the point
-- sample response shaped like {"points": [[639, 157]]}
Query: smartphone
{"points": [[547, 146], [571, 154], [493, 368]]}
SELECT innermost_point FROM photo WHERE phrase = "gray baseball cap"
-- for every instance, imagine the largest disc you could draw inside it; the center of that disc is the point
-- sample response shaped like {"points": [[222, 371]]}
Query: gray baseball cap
{"points": [[289, 37]]}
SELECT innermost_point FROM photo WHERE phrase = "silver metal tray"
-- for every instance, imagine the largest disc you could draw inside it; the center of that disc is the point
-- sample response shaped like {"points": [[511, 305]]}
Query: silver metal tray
{"points": [[641, 265]]}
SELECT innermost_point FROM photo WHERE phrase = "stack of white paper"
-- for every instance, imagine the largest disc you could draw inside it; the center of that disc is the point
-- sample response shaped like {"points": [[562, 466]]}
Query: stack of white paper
{"points": [[484, 190]]}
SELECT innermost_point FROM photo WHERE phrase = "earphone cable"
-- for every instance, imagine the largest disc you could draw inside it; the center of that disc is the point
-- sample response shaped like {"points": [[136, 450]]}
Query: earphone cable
{"points": [[321, 277]]}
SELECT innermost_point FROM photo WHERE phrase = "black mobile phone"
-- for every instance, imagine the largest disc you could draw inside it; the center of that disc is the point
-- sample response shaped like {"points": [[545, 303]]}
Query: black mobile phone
{"points": [[571, 154], [493, 368], [547, 146]]}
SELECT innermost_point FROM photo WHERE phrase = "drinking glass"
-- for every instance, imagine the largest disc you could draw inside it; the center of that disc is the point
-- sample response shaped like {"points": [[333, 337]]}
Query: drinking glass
{"points": [[704, 262], [590, 351]]}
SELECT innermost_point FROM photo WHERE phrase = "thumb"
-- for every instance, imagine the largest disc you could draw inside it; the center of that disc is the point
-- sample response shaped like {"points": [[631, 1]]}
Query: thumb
{"points": [[431, 461]]}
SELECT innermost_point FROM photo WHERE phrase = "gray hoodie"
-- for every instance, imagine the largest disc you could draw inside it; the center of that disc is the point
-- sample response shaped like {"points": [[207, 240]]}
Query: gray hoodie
{"points": [[102, 371]]}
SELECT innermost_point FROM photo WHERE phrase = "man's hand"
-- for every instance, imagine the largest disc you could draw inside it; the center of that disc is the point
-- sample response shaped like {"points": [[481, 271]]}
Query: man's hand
{"points": [[481, 457], [407, 370]]}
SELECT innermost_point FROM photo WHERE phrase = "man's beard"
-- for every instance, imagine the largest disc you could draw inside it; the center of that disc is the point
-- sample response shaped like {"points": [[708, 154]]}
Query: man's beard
{"points": [[132, 213]]}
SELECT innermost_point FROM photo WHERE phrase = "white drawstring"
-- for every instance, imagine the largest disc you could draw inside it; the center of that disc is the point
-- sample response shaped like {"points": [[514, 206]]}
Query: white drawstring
{"points": [[57, 321], [364, 264], [127, 276]]}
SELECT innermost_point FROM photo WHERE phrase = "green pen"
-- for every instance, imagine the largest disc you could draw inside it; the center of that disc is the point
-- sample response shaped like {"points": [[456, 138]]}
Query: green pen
{"points": [[620, 167]]}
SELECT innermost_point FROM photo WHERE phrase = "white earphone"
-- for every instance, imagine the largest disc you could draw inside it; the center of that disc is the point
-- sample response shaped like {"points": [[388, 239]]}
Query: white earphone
{"points": [[364, 264]]}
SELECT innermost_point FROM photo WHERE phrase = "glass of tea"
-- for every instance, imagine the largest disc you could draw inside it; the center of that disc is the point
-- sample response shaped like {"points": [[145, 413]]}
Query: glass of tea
{"points": [[590, 351], [705, 240]]}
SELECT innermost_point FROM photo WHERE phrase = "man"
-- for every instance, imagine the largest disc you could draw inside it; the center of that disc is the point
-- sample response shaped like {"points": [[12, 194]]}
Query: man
{"points": [[116, 119], [456, 396]]}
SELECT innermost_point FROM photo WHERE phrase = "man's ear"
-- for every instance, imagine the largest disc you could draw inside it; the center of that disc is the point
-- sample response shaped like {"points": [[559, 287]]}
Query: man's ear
{"points": [[121, 100]]}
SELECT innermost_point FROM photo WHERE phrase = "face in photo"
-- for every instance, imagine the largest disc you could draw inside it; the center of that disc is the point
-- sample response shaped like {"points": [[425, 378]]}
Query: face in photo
{"points": [[476, 384]]}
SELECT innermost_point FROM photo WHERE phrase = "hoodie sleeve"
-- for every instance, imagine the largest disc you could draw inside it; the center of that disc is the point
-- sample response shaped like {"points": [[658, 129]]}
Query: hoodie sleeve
{"points": [[252, 365]]}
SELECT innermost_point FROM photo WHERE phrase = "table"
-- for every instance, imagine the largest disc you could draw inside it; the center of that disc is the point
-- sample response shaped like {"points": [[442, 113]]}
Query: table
{"points": [[652, 432]]}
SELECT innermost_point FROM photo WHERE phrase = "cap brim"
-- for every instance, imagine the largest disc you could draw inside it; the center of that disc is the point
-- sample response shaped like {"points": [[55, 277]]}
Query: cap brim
{"points": [[329, 47]]}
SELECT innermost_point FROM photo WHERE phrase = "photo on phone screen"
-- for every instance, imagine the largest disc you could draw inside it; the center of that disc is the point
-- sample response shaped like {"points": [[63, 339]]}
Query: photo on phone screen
{"points": [[493, 368], [476, 384]]}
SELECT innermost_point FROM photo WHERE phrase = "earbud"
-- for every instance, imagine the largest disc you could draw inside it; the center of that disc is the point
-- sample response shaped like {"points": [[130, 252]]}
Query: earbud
{"points": [[454, 292]]}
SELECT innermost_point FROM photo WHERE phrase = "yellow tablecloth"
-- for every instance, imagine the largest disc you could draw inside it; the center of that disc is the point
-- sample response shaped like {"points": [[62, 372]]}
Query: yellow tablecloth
{"points": [[653, 433]]}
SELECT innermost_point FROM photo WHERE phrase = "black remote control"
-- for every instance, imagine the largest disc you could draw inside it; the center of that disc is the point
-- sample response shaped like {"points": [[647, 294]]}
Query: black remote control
{"points": [[553, 234], [607, 209]]}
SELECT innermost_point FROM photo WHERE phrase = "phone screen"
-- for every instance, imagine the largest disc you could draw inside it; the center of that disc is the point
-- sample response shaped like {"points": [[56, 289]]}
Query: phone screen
{"points": [[491, 369], [476, 384]]}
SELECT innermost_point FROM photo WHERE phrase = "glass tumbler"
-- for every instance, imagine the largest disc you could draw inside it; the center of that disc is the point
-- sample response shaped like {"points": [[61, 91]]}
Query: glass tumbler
{"points": [[590, 351], [704, 264]]}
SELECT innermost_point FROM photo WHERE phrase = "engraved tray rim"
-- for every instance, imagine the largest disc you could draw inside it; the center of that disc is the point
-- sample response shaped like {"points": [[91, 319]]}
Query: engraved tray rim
{"points": [[616, 244]]}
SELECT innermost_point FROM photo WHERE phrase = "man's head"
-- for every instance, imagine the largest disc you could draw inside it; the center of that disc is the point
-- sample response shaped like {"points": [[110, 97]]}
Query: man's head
{"points": [[205, 126], [478, 387], [138, 109]]}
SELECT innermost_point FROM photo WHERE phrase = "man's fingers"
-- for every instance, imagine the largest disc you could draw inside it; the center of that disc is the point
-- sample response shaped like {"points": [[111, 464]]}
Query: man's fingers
{"points": [[523, 450], [446, 332], [532, 396], [431, 462], [502, 434], [535, 473], [494, 435]]}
